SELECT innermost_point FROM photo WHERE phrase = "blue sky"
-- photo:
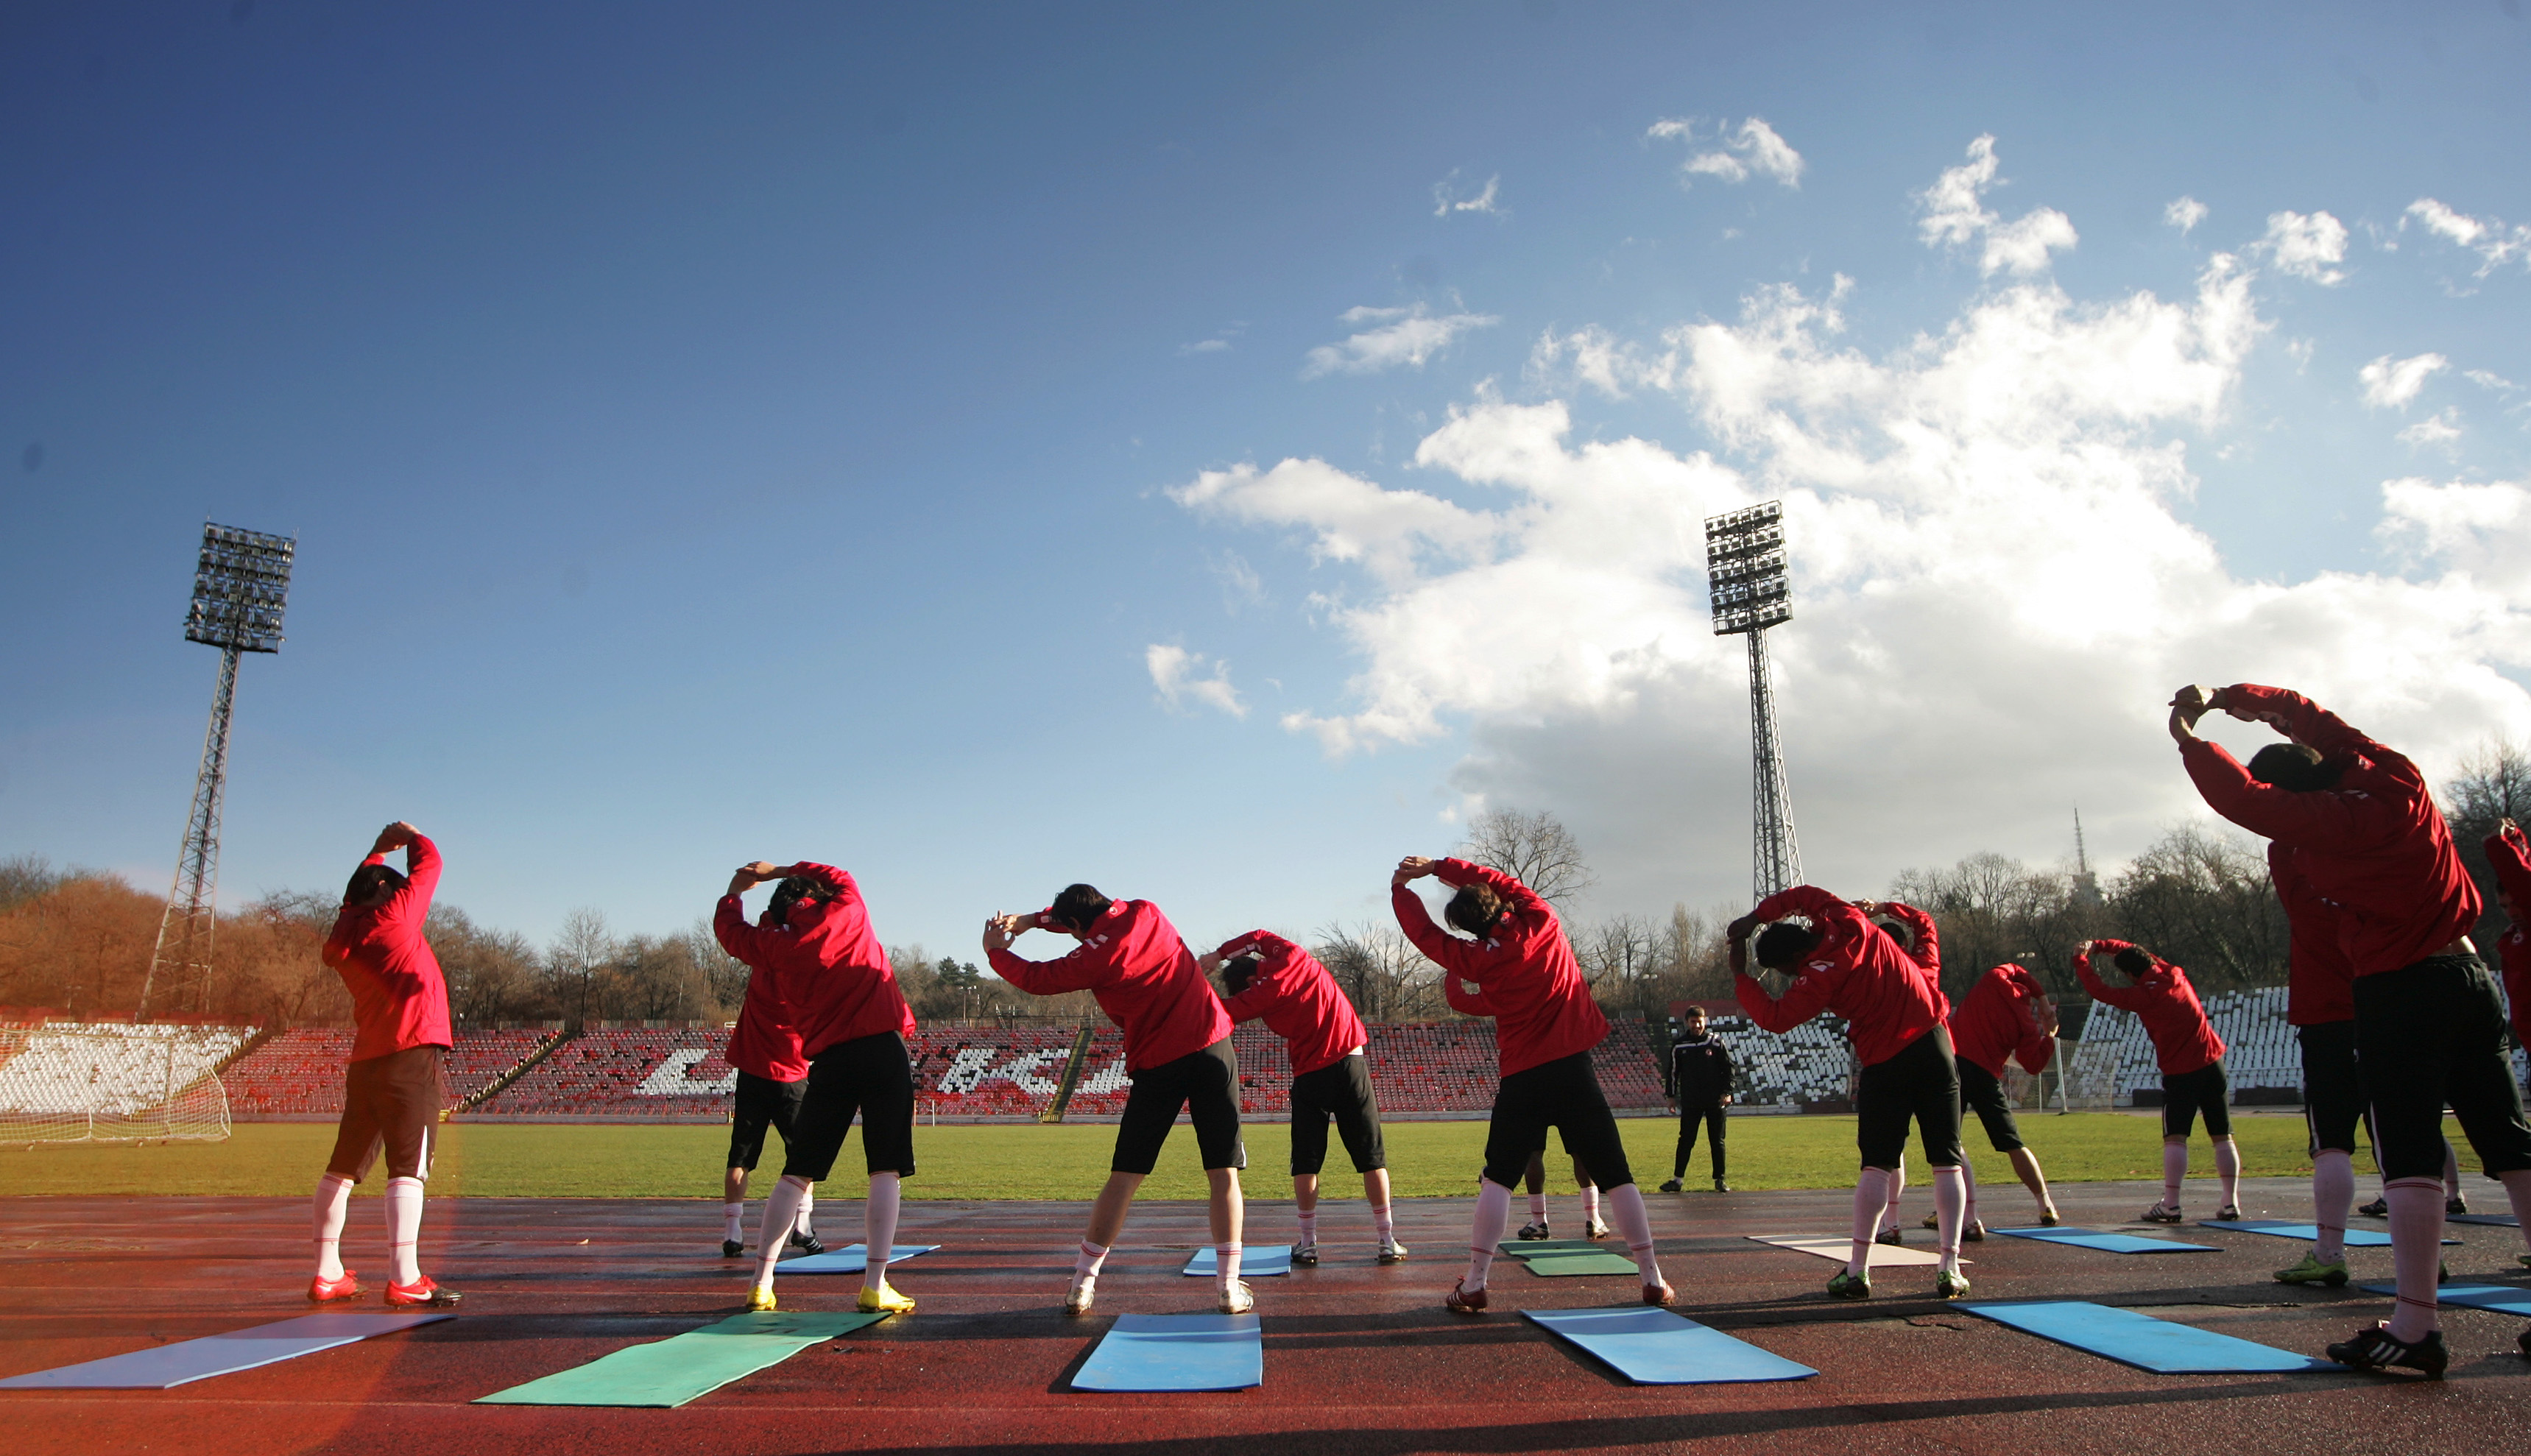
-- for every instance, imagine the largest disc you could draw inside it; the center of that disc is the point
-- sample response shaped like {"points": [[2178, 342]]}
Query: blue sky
{"points": [[861, 433]]}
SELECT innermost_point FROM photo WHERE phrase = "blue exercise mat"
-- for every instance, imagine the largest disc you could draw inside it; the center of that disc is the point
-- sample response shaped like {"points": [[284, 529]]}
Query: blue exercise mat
{"points": [[2504, 1298], [1655, 1347], [2356, 1238], [2490, 1220], [850, 1260], [1256, 1261], [188, 1361], [1176, 1351], [2140, 1340], [2091, 1237]]}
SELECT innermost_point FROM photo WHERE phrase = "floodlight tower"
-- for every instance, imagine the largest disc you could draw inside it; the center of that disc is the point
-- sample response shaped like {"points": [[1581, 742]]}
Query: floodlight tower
{"points": [[239, 588], [1744, 565]]}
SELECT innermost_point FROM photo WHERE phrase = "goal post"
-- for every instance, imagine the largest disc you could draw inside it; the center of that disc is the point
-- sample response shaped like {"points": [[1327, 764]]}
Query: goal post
{"points": [[111, 1083]]}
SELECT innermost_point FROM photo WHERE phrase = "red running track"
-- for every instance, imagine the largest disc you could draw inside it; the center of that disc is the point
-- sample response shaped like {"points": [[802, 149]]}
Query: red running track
{"points": [[1358, 1358]]}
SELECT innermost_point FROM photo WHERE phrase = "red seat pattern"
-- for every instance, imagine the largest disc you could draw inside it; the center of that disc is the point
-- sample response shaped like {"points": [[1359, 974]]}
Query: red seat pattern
{"points": [[300, 1072], [671, 1074]]}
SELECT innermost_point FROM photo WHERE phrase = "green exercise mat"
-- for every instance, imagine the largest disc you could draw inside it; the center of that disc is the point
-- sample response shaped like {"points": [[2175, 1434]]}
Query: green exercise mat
{"points": [[670, 1373], [1557, 1266], [1545, 1248]]}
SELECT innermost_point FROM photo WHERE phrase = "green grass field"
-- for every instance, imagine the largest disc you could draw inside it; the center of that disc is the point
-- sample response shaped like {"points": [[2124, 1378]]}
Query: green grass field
{"points": [[1427, 1159]]}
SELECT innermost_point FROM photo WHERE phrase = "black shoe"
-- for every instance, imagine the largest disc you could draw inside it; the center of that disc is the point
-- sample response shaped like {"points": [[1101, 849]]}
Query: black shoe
{"points": [[1721, 1187], [2374, 1350], [731, 1247], [2456, 1204], [1670, 1187], [2378, 1208], [807, 1243]]}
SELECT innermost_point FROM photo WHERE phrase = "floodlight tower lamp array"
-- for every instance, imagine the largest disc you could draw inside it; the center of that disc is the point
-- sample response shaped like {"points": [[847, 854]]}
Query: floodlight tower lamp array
{"points": [[1749, 578]]}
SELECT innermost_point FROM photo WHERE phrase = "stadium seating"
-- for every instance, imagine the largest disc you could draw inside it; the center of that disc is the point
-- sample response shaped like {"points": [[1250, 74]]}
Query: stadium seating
{"points": [[987, 1073], [625, 1073], [106, 1068], [299, 1073]]}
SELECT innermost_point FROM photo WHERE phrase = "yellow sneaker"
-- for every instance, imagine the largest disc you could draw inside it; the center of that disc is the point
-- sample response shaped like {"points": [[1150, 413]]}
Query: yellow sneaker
{"points": [[759, 1301], [882, 1299]]}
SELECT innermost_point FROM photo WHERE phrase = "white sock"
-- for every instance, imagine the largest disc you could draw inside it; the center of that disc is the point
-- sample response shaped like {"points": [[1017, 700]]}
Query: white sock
{"points": [[2451, 1170], [808, 1201], [1225, 1258], [2416, 1254], [1950, 1202], [1310, 1226], [1626, 1210], [404, 1230], [1870, 1197], [1494, 1212], [2227, 1169], [733, 1222], [781, 1211], [1898, 1185], [1086, 1267], [333, 1205], [1590, 1205], [878, 1227], [2332, 1197], [1968, 1193], [1537, 1207], [1384, 1223], [2174, 1171]]}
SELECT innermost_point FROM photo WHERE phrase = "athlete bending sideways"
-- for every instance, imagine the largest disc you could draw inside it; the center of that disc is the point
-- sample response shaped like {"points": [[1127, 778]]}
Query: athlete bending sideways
{"points": [[391, 1097], [1545, 1027], [2006, 1017], [1177, 1050], [842, 997], [2191, 1057], [1843, 963], [2319, 1005], [772, 1079], [2429, 1029], [1269, 977]]}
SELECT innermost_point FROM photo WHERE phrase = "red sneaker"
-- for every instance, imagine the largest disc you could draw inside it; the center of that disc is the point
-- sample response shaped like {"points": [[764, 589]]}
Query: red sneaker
{"points": [[1461, 1301], [320, 1289], [421, 1292]]}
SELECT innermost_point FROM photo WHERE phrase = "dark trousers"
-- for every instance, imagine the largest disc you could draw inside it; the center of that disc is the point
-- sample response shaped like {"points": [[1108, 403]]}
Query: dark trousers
{"points": [[1688, 1118]]}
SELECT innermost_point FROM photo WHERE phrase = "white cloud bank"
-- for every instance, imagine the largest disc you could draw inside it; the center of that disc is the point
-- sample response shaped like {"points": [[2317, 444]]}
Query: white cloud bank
{"points": [[2494, 243], [2390, 386], [1404, 336], [1994, 587], [1175, 671], [1444, 202], [1951, 212], [1735, 154], [2184, 214], [2305, 247]]}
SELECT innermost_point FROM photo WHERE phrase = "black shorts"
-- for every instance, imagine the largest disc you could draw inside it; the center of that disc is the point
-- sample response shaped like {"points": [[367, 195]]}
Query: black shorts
{"points": [[2429, 1035], [2184, 1095], [870, 1076], [1920, 1084], [1204, 1083], [1564, 1094], [2333, 1099], [1340, 1090], [761, 1102], [393, 1102], [1982, 1093]]}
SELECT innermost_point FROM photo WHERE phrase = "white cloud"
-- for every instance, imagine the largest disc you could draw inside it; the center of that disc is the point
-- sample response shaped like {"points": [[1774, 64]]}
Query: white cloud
{"points": [[1953, 213], [2439, 428], [1174, 672], [2305, 247], [1738, 153], [2490, 379], [1444, 203], [1405, 336], [1205, 346], [2390, 386], [2488, 237], [2184, 214]]}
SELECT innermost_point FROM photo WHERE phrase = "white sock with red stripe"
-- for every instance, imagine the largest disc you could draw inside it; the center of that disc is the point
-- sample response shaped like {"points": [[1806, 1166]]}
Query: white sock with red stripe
{"points": [[1225, 1266], [333, 1205], [2174, 1171], [1590, 1205], [1898, 1185], [809, 1201], [2333, 1197], [1950, 1200], [1493, 1213], [1384, 1223], [733, 1222], [1086, 1267], [2227, 1169], [1310, 1226], [1871, 1197], [2416, 1254], [1537, 1207], [878, 1227], [404, 1230], [1635, 1224], [781, 1212], [1968, 1192]]}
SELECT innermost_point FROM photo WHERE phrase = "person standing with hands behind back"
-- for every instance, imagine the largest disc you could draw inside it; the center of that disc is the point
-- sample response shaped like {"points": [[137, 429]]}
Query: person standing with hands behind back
{"points": [[1700, 1090]]}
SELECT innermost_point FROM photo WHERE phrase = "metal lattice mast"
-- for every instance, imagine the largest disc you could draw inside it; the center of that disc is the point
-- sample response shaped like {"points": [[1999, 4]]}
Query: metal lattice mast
{"points": [[1745, 567], [240, 590]]}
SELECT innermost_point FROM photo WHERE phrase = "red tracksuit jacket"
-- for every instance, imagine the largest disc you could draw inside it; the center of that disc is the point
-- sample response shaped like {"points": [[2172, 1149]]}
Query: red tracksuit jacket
{"points": [[2184, 1041], [830, 970], [399, 998], [1142, 976], [1885, 995], [1542, 1007], [1999, 1021], [1299, 1000], [2510, 856], [2320, 984], [2375, 846], [764, 1044]]}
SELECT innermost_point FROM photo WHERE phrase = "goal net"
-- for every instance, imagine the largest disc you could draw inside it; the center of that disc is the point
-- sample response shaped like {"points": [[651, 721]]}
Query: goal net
{"points": [[110, 1083]]}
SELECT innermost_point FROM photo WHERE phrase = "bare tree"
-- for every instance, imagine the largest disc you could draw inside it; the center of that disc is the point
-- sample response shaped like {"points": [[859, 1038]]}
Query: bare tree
{"points": [[1383, 972], [577, 960], [2202, 899], [1535, 849], [2494, 785]]}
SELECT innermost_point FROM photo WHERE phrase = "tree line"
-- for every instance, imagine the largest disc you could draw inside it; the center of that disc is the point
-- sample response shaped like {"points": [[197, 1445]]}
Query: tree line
{"points": [[79, 941]]}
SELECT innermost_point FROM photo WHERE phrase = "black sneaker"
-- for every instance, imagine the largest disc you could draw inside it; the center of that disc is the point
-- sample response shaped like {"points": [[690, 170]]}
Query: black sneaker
{"points": [[807, 1243], [1531, 1231], [1721, 1187], [1891, 1237], [2374, 1350], [1670, 1187], [2456, 1204], [731, 1247], [2228, 1213], [2378, 1208]]}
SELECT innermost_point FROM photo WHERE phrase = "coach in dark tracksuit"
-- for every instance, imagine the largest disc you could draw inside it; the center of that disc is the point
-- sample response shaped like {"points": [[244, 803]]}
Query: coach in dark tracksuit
{"points": [[1700, 1089]]}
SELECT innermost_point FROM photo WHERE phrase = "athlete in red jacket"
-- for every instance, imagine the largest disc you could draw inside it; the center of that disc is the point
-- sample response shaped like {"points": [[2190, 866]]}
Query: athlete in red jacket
{"points": [[1843, 963], [772, 1079], [1272, 979], [842, 997], [2191, 1058], [2508, 854], [1922, 941], [2429, 1028], [1545, 1027], [2005, 1017], [391, 1090], [1177, 1050]]}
